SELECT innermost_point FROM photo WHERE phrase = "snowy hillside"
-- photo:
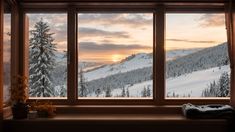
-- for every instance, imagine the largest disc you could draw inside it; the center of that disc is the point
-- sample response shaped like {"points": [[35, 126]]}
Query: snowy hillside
{"points": [[98, 70], [174, 54], [203, 59], [186, 85], [185, 69], [133, 62], [194, 83], [130, 63], [137, 69], [134, 90]]}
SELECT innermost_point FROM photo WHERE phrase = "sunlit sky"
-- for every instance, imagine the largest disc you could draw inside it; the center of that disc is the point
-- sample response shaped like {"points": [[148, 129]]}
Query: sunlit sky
{"points": [[110, 38]]}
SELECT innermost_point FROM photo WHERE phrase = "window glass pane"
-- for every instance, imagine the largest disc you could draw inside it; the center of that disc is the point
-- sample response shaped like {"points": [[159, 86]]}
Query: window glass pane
{"points": [[197, 62], [115, 55], [7, 56], [47, 55]]}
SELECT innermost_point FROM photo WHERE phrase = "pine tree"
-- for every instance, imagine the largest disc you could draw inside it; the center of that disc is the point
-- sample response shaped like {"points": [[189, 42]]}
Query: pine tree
{"points": [[42, 60], [63, 91], [224, 85], [97, 92], [127, 92], [219, 89], [148, 92], [144, 92], [123, 92], [108, 92], [83, 92]]}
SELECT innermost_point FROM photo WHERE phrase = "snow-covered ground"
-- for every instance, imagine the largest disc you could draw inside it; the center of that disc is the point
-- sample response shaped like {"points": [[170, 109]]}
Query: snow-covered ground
{"points": [[189, 84], [194, 83], [134, 91]]}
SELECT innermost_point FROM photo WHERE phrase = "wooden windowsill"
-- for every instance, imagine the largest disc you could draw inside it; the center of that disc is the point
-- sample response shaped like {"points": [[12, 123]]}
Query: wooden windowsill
{"points": [[117, 122], [163, 118]]}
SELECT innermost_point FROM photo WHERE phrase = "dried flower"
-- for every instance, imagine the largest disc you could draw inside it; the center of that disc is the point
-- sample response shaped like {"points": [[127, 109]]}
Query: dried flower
{"points": [[46, 107], [19, 89]]}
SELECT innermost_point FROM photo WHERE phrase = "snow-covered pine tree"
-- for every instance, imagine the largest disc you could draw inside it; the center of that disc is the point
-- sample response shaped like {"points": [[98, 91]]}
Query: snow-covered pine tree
{"points": [[82, 85], [211, 91], [42, 60], [219, 89], [108, 92], [123, 92], [148, 92], [63, 90], [97, 92], [144, 92], [224, 83], [127, 92]]}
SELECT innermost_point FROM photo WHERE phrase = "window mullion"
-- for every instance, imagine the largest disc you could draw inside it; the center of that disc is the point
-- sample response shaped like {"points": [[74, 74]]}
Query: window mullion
{"points": [[72, 55], [159, 54]]}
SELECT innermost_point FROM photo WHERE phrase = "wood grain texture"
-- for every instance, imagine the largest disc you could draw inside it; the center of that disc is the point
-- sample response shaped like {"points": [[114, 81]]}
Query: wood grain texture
{"points": [[160, 1], [1, 61], [72, 55], [117, 123], [158, 7]]}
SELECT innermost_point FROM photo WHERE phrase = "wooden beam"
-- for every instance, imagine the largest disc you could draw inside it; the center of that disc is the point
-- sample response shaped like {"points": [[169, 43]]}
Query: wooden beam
{"points": [[1, 61], [72, 55], [115, 1], [22, 41], [14, 40], [159, 37]]}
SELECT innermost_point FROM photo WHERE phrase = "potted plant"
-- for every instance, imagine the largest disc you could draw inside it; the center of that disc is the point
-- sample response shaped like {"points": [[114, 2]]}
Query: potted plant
{"points": [[44, 109], [18, 98]]}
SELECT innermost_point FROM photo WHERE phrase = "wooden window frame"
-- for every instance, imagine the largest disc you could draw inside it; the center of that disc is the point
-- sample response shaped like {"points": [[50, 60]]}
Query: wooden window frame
{"points": [[158, 10]]}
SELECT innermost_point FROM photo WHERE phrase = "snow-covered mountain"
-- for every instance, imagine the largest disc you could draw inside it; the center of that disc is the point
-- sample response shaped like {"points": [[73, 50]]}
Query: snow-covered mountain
{"points": [[137, 69], [203, 59], [174, 54], [135, 72], [131, 63], [96, 70]]}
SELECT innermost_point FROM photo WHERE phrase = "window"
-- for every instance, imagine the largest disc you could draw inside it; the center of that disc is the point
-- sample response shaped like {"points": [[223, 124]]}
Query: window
{"points": [[115, 55], [47, 55], [7, 55], [197, 61], [127, 56]]}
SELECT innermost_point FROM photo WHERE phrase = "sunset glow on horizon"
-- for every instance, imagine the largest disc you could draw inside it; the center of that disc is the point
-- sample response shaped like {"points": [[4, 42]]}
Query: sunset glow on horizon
{"points": [[111, 37]]}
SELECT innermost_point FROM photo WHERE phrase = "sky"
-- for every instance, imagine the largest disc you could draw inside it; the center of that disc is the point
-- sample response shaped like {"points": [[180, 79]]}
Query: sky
{"points": [[109, 38]]}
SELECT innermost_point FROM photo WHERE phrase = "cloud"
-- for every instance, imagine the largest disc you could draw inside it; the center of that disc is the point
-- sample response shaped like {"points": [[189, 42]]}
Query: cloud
{"points": [[190, 41], [212, 20], [94, 47], [133, 20], [92, 32]]}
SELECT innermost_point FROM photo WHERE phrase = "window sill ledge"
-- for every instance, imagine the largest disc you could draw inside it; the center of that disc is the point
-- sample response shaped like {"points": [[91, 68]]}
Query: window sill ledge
{"points": [[121, 117], [118, 109], [119, 122]]}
